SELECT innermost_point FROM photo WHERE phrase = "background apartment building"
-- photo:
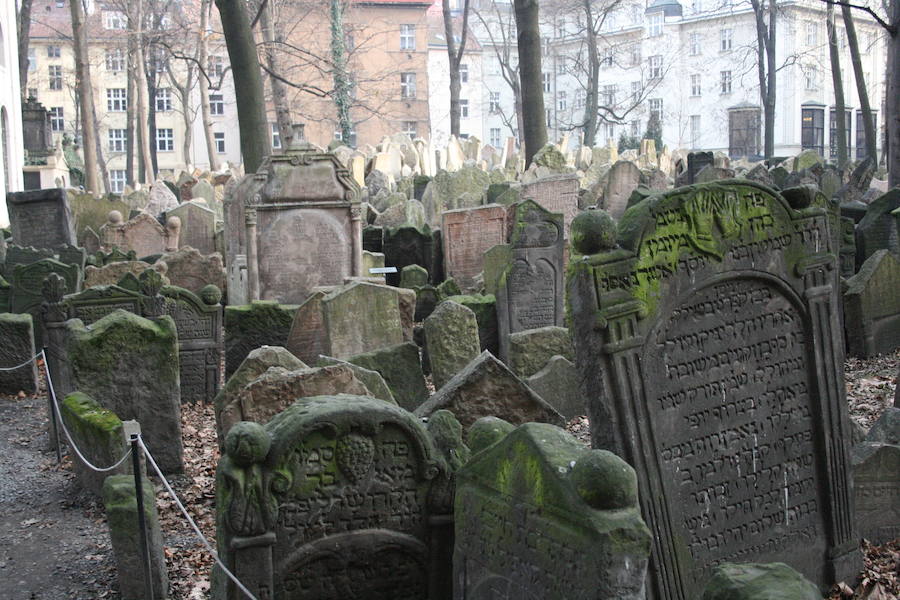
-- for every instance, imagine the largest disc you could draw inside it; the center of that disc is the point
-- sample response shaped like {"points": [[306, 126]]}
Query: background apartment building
{"points": [[11, 142], [694, 66]]}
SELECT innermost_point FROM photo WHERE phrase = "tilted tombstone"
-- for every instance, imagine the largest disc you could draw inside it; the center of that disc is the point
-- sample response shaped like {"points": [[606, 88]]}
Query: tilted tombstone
{"points": [[876, 480], [360, 317], [17, 350], [198, 226], [337, 497], [557, 194], [696, 162], [467, 234], [303, 224], [567, 526], [530, 291], [880, 228], [621, 181], [872, 306], [41, 218], [128, 365], [307, 339], [709, 350]]}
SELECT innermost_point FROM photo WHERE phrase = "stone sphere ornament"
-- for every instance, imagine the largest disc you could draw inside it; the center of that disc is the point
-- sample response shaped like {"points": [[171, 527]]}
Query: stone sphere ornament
{"points": [[592, 231], [605, 481], [247, 443]]}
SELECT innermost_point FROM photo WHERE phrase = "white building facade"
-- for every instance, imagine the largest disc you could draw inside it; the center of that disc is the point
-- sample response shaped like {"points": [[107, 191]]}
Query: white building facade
{"points": [[12, 153], [694, 66]]}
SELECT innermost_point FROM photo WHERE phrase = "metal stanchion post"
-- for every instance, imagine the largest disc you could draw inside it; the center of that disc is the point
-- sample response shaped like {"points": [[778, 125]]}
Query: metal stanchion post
{"points": [[134, 433], [51, 401]]}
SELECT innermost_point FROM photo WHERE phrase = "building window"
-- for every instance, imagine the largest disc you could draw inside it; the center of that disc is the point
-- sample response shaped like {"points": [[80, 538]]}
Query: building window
{"points": [[610, 129], [811, 75], [656, 66], [695, 85], [215, 66], [407, 85], [463, 108], [165, 140], [695, 131], [656, 106], [606, 60], [697, 6], [463, 73], [725, 39], [219, 139], [812, 129], [53, 52], [216, 104], [608, 95], [812, 33], [339, 136], [636, 90], [409, 128], [114, 19], [494, 102], [545, 77], [861, 133], [117, 140], [560, 23], [634, 53], [163, 100], [495, 137], [32, 93], [725, 82], [832, 134], [635, 128], [32, 60], [743, 132], [549, 118], [55, 77], [695, 44], [580, 98], [842, 38], [276, 136], [117, 181], [57, 122], [655, 23], [407, 37], [561, 100], [561, 65], [116, 100], [115, 60]]}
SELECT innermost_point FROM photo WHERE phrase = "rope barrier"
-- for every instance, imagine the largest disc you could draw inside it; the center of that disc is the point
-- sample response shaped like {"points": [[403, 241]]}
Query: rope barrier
{"points": [[62, 423], [187, 516], [29, 361]]}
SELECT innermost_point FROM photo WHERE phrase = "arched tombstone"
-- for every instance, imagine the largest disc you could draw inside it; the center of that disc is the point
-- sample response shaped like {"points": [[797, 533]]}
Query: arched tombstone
{"points": [[337, 497], [708, 341]]}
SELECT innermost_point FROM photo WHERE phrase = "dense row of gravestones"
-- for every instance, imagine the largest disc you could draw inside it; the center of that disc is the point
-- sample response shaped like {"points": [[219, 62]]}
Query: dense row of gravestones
{"points": [[708, 345]]}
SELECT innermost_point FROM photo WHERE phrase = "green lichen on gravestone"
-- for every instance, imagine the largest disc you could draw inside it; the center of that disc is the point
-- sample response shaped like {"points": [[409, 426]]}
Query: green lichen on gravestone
{"points": [[451, 334], [402, 370], [249, 326], [413, 276], [549, 156], [771, 581], [531, 349], [484, 307], [98, 434], [374, 382], [448, 288], [120, 500], [17, 350], [487, 431], [447, 434], [592, 231]]}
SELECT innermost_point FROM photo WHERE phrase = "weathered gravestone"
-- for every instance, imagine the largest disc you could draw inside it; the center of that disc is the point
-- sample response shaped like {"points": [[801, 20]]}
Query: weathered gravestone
{"points": [[129, 365], [487, 388], [360, 317], [876, 480], [696, 162], [27, 288], [622, 179], [872, 306], [198, 319], [409, 245], [19, 368], [451, 333], [302, 225], [557, 384], [251, 326], [41, 218], [337, 497], [143, 234], [540, 517], [709, 350], [198, 226], [112, 273], [191, 270], [99, 436], [556, 194], [467, 234], [530, 292], [880, 228]]}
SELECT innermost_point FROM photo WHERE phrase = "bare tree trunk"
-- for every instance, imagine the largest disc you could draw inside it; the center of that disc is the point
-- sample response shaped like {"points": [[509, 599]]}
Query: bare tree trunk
{"points": [[837, 81], [892, 117], [101, 161], [205, 115], [771, 89], [283, 117], [341, 83], [130, 137], [136, 24], [454, 56], [86, 91], [592, 100], [247, 82], [529, 48], [864, 106], [24, 31]]}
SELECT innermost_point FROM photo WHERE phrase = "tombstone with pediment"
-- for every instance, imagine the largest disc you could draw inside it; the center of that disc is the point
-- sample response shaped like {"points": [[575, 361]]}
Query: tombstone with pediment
{"points": [[41, 218], [27, 288], [708, 343], [302, 226], [530, 291], [336, 498], [198, 226]]}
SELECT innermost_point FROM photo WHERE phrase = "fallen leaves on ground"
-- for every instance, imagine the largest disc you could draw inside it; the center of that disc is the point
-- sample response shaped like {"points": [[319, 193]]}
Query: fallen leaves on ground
{"points": [[879, 578]]}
